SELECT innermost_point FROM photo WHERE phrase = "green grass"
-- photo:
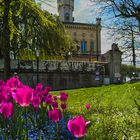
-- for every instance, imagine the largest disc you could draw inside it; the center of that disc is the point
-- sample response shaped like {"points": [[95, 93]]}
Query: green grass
{"points": [[113, 115]]}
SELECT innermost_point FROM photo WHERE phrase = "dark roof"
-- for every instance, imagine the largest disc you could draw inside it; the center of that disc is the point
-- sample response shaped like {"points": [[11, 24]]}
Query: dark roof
{"points": [[77, 23]]}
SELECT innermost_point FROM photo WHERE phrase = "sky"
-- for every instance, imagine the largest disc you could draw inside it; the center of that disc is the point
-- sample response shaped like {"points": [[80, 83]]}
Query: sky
{"points": [[84, 12]]}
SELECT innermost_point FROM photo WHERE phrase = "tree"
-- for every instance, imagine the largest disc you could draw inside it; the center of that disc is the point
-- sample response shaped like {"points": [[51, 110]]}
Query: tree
{"points": [[122, 8], [6, 37], [125, 33], [71, 48], [124, 16], [25, 25]]}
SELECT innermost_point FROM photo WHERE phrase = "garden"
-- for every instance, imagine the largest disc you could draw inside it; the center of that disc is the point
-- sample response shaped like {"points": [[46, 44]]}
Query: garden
{"points": [[99, 113]]}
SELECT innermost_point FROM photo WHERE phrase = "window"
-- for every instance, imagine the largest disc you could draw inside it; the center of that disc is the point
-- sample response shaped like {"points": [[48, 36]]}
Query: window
{"points": [[83, 46], [67, 16], [91, 46]]}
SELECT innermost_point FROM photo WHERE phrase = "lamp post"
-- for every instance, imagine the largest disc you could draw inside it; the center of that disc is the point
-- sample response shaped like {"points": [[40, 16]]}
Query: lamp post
{"points": [[18, 59], [69, 54], [37, 62]]}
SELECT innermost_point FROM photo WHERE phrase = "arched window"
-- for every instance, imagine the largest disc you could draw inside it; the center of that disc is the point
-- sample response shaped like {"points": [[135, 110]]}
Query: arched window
{"points": [[91, 46], [83, 46], [67, 16]]}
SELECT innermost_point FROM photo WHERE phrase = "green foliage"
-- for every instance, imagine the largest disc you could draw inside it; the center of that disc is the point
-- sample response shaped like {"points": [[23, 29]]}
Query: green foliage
{"points": [[26, 54], [31, 27], [113, 115]]}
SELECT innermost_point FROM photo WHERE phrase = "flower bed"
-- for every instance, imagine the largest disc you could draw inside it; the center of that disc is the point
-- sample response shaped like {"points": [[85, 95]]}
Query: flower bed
{"points": [[27, 113]]}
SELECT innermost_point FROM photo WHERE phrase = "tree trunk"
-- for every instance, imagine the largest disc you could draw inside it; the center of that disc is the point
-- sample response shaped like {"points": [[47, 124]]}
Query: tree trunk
{"points": [[6, 42], [133, 49], [138, 19]]}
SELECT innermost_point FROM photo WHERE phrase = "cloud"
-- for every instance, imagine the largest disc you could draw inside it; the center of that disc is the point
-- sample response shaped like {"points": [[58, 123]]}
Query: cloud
{"points": [[82, 12], [105, 42], [50, 6]]}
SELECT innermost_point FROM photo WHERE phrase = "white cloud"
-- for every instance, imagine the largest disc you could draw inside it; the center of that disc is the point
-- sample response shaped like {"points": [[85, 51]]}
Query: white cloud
{"points": [[82, 12], [50, 6], [105, 42]]}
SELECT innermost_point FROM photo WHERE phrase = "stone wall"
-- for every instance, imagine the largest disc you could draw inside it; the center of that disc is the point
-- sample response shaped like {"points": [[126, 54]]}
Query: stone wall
{"points": [[58, 74], [60, 81]]}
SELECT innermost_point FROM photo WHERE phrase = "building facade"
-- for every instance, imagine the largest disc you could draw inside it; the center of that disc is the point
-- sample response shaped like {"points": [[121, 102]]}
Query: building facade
{"points": [[86, 36]]}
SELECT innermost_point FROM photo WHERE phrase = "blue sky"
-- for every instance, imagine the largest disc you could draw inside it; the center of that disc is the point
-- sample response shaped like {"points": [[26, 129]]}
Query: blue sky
{"points": [[84, 12]]}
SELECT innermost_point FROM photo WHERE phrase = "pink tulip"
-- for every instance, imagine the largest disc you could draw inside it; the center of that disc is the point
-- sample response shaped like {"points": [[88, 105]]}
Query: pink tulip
{"points": [[48, 99], [6, 110], [7, 91], [88, 106], [77, 126], [55, 115], [40, 94], [23, 96], [48, 89], [2, 83], [14, 83], [55, 98], [63, 106], [54, 104], [62, 93], [36, 102], [39, 87], [49, 96], [63, 96], [3, 98]]}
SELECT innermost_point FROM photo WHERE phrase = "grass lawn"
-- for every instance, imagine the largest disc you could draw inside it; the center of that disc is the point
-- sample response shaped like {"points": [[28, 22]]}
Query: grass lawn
{"points": [[113, 113]]}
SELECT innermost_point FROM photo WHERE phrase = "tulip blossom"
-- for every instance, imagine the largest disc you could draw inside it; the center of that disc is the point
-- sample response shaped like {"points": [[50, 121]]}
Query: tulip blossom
{"points": [[49, 96], [3, 98], [2, 83], [48, 89], [23, 96], [55, 115], [14, 83], [63, 96], [55, 98], [88, 106], [6, 110], [36, 102], [40, 94], [39, 87], [77, 126], [54, 104], [7, 91], [63, 106], [48, 99]]}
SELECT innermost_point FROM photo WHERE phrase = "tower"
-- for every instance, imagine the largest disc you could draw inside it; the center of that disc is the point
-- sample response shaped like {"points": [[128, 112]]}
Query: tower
{"points": [[65, 10]]}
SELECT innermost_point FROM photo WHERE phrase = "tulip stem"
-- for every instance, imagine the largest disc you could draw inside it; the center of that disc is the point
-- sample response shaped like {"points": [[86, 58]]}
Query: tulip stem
{"points": [[37, 125], [57, 130], [26, 113]]}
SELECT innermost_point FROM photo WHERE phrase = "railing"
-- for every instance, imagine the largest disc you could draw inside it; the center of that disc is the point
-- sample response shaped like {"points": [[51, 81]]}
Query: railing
{"points": [[53, 66]]}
